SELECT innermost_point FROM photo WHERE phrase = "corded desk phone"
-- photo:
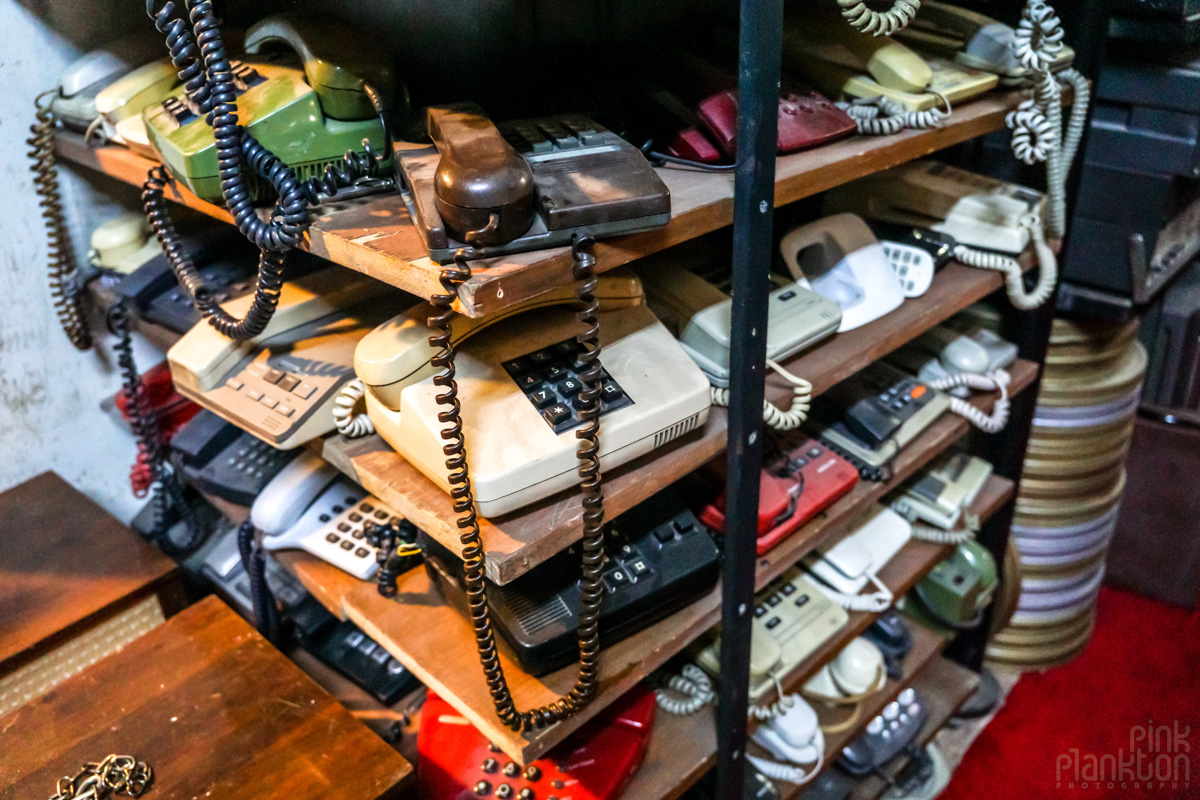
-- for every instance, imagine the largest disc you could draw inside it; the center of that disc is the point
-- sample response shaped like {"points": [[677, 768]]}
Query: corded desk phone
{"points": [[792, 618], [223, 460], [945, 491], [871, 416], [520, 386], [886, 736], [281, 386], [308, 117], [840, 259], [122, 244], [311, 506], [955, 593], [794, 737], [795, 487], [120, 104], [74, 102], [525, 185], [955, 347], [893, 638], [659, 558], [858, 671], [688, 289], [843, 569]]}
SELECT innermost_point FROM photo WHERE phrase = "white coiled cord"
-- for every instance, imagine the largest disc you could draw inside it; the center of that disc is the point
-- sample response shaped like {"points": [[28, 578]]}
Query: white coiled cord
{"points": [[1014, 278], [883, 116], [790, 772], [775, 417], [692, 691], [928, 533], [991, 382], [879, 23], [347, 422], [875, 603], [781, 706]]}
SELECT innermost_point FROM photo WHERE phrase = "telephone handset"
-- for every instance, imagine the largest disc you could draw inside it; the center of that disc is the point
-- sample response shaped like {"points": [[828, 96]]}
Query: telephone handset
{"points": [[123, 244], [120, 104], [74, 102], [946, 351], [854, 674]]}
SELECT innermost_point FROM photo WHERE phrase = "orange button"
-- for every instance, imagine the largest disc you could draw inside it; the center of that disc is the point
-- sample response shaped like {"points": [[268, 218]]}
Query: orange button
{"points": [[916, 392]]}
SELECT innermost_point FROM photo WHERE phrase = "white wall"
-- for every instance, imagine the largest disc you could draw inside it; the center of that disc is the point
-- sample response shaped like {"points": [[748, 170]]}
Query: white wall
{"points": [[50, 393]]}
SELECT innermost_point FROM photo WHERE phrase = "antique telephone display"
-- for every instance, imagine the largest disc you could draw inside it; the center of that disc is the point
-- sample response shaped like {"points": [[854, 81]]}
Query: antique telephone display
{"points": [[594, 763], [941, 497], [122, 244], [916, 254], [893, 638], [221, 459], [311, 506], [991, 221], [481, 191], [840, 259], [845, 568], [858, 671], [658, 559], [795, 486], [870, 417], [792, 618], [282, 385], [209, 148], [522, 391], [795, 740], [955, 593], [887, 735], [689, 291]]}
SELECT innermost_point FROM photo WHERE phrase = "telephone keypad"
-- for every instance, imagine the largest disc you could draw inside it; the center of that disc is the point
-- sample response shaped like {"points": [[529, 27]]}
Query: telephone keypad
{"points": [[550, 379]]}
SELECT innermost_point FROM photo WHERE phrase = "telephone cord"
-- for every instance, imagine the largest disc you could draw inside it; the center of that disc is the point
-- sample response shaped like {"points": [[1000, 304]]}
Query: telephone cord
{"points": [[1014, 276], [166, 490], [928, 533], [879, 23], [62, 270], [875, 603], [783, 703], [198, 53], [348, 423], [883, 116], [991, 382], [685, 694], [775, 417], [262, 599], [591, 586], [790, 772]]}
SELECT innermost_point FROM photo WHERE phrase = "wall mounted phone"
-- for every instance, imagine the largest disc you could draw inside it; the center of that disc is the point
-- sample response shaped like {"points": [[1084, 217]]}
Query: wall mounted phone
{"points": [[308, 117], [519, 389], [843, 569], [840, 259], [311, 506], [281, 386], [527, 185], [792, 618], [221, 459]]}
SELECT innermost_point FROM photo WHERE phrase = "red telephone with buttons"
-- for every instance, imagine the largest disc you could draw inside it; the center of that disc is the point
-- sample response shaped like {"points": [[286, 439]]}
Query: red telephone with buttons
{"points": [[795, 487], [456, 762]]}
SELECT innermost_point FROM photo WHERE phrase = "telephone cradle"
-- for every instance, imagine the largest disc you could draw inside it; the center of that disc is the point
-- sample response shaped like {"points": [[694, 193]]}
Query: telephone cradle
{"points": [[456, 762]]}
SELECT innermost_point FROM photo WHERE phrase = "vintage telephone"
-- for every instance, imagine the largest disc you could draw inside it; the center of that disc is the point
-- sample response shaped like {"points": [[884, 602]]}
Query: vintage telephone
{"points": [[841, 63], [843, 569], [481, 190], [282, 385], [119, 105], [872, 416], [840, 259], [916, 254], [221, 459], [893, 638], [991, 221], [74, 101], [858, 671], [658, 559], [795, 739], [941, 497], [792, 618], [886, 736], [955, 593], [123, 244], [311, 506], [520, 391], [795, 487]]}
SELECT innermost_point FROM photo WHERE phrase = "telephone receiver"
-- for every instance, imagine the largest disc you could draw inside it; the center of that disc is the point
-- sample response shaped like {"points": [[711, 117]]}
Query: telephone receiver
{"points": [[123, 243], [284, 500], [397, 354], [840, 259]]}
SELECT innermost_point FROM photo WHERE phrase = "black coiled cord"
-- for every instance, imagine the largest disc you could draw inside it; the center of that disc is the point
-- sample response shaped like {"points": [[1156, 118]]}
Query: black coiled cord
{"points": [[254, 561], [166, 489], [591, 581], [62, 267]]}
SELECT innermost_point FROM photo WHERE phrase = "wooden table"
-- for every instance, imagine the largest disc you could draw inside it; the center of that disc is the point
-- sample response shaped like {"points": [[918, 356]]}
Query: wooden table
{"points": [[216, 712], [67, 565]]}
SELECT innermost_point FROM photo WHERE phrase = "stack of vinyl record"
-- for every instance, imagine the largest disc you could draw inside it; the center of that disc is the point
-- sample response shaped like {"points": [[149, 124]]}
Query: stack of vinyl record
{"points": [[1070, 491]]}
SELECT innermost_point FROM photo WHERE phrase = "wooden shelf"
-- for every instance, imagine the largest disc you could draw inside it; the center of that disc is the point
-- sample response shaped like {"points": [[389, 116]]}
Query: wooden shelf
{"points": [[375, 235], [516, 543]]}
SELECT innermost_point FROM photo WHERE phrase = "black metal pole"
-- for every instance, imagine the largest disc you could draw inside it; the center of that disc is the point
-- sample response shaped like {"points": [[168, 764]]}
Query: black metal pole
{"points": [[759, 47]]}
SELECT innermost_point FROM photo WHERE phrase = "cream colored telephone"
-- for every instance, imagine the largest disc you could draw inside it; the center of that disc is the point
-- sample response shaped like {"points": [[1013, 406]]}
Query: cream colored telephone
{"points": [[519, 389], [121, 103], [281, 385]]}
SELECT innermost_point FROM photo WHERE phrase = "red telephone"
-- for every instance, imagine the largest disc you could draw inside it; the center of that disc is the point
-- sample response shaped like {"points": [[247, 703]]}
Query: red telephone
{"points": [[796, 488], [173, 411], [456, 761]]}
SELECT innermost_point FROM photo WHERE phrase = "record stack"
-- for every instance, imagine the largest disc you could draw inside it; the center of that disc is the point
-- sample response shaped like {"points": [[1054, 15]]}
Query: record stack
{"points": [[1070, 491]]}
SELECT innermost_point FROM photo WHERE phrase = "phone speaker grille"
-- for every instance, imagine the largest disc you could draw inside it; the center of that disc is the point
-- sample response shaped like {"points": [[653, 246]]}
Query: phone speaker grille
{"points": [[537, 617], [676, 430]]}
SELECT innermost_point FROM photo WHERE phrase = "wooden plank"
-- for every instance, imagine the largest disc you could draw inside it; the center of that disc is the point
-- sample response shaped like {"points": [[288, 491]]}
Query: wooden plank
{"points": [[211, 706], [516, 543], [374, 235]]}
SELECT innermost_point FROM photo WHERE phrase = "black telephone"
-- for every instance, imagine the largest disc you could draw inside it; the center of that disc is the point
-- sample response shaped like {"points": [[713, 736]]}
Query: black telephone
{"points": [[659, 558], [525, 185], [225, 461]]}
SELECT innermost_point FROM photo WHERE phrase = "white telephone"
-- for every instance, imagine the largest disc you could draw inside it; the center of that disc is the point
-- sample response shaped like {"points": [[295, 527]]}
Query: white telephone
{"points": [[942, 495], [281, 386], [980, 213], [840, 259], [795, 738], [845, 568], [75, 101], [518, 387], [311, 506]]}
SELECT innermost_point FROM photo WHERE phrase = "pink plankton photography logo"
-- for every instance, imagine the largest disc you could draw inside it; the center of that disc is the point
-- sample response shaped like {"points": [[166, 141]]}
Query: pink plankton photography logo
{"points": [[1159, 758]]}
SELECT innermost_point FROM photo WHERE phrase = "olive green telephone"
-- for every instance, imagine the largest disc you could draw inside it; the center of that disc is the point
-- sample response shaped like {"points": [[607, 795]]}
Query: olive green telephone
{"points": [[310, 118]]}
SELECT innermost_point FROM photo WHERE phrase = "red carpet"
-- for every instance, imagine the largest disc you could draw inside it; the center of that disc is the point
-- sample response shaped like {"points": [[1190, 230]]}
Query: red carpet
{"points": [[1080, 731]]}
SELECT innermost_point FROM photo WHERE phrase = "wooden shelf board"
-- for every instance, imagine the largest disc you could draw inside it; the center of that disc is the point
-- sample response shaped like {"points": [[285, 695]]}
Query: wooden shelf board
{"points": [[375, 235], [516, 543]]}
